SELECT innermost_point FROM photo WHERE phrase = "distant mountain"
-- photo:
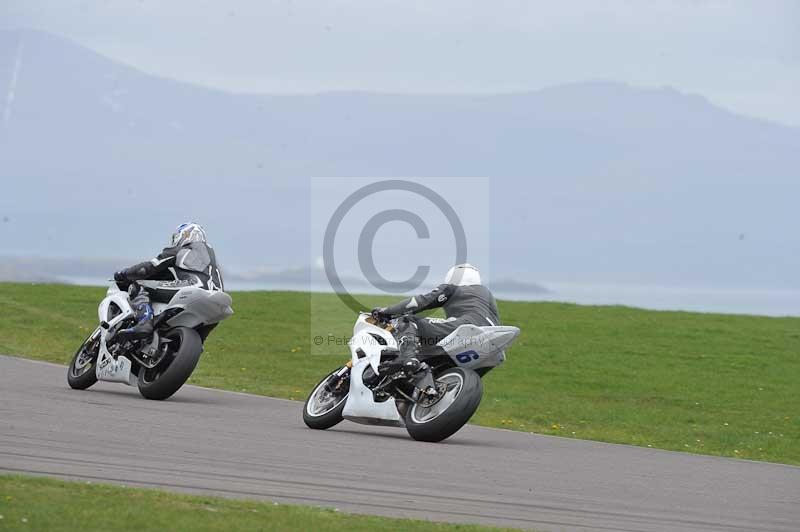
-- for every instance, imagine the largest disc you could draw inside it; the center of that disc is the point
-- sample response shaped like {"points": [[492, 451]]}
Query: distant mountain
{"points": [[58, 270], [605, 181]]}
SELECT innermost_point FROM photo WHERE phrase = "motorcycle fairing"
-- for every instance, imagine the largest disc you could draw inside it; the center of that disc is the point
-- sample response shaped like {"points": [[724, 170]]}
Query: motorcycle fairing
{"points": [[365, 351], [361, 406], [118, 370], [200, 306], [471, 346], [107, 368]]}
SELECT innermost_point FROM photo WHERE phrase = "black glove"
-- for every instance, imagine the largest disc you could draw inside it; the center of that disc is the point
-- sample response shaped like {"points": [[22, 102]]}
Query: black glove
{"points": [[379, 313], [121, 280]]}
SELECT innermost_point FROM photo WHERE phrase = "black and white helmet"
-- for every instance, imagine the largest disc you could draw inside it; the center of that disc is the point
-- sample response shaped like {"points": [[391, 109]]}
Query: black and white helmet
{"points": [[187, 233]]}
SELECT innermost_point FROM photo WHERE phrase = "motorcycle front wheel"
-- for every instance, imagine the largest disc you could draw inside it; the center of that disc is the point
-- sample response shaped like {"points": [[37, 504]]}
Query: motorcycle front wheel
{"points": [[434, 420], [175, 368], [81, 373], [325, 404]]}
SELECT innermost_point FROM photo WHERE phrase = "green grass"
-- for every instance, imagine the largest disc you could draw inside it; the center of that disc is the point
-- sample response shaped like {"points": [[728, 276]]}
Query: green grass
{"points": [[29, 504], [702, 383]]}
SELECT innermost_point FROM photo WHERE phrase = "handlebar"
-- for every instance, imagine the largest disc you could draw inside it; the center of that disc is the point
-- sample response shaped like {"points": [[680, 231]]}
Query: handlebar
{"points": [[378, 323]]}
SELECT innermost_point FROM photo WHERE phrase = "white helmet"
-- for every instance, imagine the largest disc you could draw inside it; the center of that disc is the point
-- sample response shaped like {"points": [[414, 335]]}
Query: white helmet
{"points": [[463, 275], [188, 233]]}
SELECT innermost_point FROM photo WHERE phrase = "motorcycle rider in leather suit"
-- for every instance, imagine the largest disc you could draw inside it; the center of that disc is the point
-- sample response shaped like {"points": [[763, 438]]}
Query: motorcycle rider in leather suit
{"points": [[188, 260], [464, 300]]}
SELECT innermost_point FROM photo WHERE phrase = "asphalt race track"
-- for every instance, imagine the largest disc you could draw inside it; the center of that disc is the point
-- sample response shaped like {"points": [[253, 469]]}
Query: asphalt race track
{"points": [[246, 446]]}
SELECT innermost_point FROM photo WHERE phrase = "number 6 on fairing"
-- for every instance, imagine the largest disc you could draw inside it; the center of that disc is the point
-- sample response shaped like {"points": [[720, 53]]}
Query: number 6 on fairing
{"points": [[467, 356]]}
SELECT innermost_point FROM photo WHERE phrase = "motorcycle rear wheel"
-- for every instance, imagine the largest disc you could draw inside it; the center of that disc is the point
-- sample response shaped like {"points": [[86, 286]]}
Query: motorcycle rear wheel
{"points": [[445, 417], [162, 381]]}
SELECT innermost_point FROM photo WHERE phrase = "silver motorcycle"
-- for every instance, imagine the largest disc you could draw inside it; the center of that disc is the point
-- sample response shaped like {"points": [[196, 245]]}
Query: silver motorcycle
{"points": [[184, 315], [432, 403]]}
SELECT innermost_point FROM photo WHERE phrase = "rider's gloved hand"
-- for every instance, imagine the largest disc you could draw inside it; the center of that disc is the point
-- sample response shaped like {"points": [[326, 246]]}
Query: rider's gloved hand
{"points": [[379, 313], [121, 280]]}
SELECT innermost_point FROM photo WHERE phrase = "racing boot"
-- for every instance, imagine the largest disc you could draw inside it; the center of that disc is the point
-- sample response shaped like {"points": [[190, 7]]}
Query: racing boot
{"points": [[140, 301], [409, 349]]}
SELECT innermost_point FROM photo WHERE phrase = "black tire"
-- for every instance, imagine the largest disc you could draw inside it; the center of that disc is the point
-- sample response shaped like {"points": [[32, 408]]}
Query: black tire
{"points": [[81, 376], [446, 423], [205, 330], [165, 379], [328, 418]]}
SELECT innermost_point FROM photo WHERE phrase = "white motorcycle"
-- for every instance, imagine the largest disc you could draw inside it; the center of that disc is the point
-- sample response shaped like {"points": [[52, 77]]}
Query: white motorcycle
{"points": [[432, 403], [184, 315]]}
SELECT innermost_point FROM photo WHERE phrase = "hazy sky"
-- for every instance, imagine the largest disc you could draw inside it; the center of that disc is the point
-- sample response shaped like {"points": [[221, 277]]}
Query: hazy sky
{"points": [[744, 55]]}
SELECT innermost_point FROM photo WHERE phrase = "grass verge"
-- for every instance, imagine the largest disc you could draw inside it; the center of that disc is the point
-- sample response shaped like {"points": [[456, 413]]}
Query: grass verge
{"points": [[703, 383], [34, 503]]}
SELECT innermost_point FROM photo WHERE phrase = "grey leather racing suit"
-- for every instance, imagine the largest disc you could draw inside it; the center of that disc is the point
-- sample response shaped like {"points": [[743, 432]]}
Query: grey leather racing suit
{"points": [[472, 304]]}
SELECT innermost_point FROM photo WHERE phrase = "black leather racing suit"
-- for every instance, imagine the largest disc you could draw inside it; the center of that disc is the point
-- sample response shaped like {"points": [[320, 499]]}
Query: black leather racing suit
{"points": [[473, 304]]}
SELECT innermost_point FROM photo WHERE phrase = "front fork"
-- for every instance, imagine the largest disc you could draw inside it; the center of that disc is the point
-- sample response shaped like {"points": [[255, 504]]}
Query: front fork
{"points": [[339, 374], [345, 369]]}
